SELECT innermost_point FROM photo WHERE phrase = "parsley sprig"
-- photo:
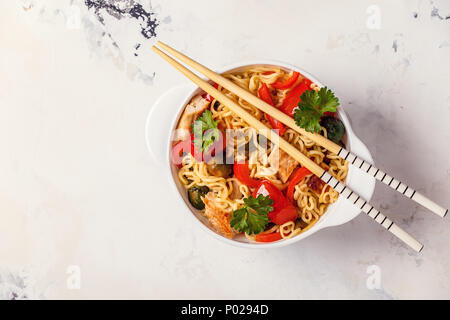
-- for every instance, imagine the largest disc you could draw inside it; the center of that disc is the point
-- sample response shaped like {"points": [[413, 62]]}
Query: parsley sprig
{"points": [[205, 123], [252, 218], [312, 106]]}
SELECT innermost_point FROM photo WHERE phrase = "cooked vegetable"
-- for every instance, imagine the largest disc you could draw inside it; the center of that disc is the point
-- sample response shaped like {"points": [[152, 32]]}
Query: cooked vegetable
{"points": [[220, 170], [205, 131], [264, 94], [297, 176], [252, 218], [259, 179], [335, 128], [208, 97], [195, 194], [289, 82], [242, 173], [184, 147], [316, 184], [219, 218], [196, 107], [179, 150], [283, 210], [292, 99], [268, 237], [312, 107]]}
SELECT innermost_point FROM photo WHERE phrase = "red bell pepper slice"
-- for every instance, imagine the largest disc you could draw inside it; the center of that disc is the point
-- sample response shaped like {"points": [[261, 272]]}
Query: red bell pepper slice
{"points": [[289, 82], [292, 99], [215, 149], [188, 146], [283, 210], [242, 173], [268, 237], [296, 177], [264, 94], [181, 148], [208, 97]]}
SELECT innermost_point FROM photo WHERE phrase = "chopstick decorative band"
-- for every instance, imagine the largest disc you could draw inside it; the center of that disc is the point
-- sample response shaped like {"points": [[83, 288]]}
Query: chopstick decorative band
{"points": [[392, 182], [367, 208]]}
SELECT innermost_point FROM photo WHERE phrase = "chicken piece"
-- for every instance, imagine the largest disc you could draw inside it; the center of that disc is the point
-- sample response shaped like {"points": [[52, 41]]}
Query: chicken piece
{"points": [[196, 107], [219, 219], [236, 193], [286, 164]]}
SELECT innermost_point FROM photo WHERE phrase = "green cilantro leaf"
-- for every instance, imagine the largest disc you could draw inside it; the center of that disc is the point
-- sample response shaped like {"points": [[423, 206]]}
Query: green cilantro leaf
{"points": [[252, 218], [205, 123], [312, 106]]}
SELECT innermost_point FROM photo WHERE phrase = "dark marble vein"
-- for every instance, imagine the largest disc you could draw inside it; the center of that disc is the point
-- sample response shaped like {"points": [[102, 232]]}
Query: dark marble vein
{"points": [[126, 9]]}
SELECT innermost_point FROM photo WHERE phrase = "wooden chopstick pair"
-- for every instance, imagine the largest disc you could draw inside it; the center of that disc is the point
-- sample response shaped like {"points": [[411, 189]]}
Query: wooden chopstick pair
{"points": [[317, 138], [295, 153]]}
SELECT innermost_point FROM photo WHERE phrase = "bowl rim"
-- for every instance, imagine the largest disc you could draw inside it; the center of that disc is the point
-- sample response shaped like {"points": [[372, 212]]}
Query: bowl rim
{"points": [[193, 90]]}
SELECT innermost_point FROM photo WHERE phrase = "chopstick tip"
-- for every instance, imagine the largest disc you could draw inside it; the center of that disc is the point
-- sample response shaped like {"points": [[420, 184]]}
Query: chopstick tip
{"points": [[155, 48]]}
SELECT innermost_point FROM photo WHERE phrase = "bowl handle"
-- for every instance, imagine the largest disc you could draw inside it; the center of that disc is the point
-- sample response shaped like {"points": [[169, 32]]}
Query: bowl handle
{"points": [[159, 120]]}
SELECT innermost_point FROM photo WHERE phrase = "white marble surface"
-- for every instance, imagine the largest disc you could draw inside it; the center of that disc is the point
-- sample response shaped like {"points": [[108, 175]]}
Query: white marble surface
{"points": [[77, 186]]}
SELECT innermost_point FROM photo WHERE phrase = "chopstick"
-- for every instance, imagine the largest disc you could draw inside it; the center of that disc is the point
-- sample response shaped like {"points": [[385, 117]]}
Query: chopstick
{"points": [[317, 138], [296, 154]]}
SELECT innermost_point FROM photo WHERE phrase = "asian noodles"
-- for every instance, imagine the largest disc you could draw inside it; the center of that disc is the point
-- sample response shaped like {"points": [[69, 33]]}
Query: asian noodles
{"points": [[220, 189]]}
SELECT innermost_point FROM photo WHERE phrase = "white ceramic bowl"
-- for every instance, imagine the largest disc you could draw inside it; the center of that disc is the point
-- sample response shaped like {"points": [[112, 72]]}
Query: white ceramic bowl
{"points": [[163, 118]]}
